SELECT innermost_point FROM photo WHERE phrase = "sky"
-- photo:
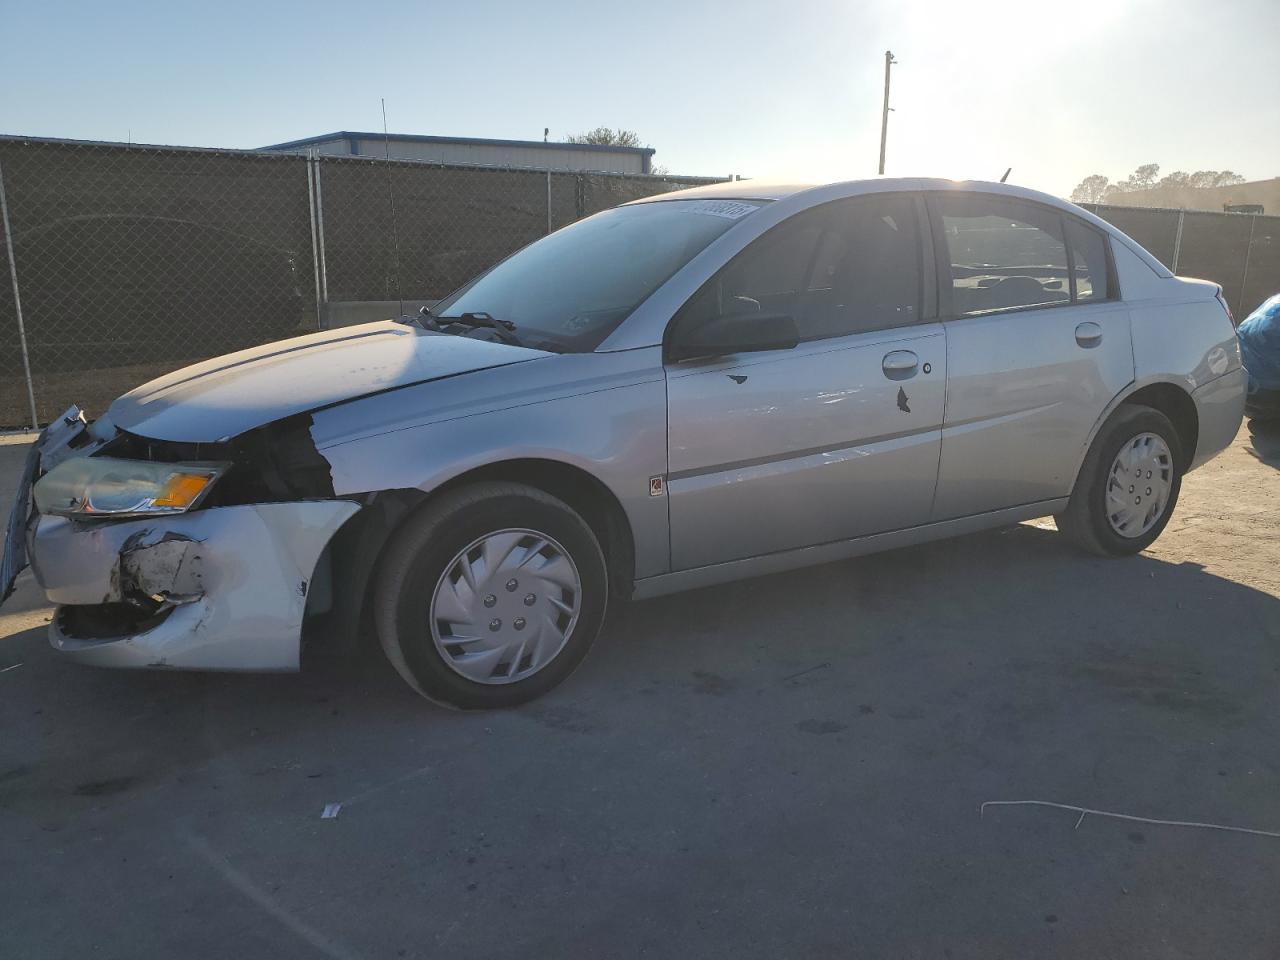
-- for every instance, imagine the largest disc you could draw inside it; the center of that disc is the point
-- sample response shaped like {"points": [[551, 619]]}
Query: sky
{"points": [[783, 88]]}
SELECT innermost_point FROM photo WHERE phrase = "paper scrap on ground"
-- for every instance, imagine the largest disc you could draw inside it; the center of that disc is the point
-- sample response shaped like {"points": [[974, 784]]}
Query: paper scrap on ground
{"points": [[330, 811]]}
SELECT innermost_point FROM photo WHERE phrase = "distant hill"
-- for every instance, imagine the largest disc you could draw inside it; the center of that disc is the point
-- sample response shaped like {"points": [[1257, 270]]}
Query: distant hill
{"points": [[1265, 192]]}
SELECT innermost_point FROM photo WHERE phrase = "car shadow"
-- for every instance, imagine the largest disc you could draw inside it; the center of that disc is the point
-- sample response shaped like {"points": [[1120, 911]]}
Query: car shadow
{"points": [[1018, 595], [1264, 441]]}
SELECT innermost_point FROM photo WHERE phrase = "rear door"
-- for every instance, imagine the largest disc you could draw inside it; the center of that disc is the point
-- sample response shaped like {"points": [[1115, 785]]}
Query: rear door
{"points": [[1037, 346], [835, 438]]}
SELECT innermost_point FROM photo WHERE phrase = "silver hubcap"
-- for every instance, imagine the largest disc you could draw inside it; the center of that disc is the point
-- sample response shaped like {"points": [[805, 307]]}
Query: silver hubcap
{"points": [[505, 606], [1138, 485]]}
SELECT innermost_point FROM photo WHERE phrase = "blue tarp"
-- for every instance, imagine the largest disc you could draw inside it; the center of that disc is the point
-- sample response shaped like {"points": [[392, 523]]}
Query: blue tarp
{"points": [[1259, 335]]}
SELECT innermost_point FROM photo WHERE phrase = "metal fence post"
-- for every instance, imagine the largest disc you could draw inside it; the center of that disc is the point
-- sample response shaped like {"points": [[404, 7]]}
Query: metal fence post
{"points": [[315, 238], [1248, 252], [17, 300], [324, 262], [1177, 242]]}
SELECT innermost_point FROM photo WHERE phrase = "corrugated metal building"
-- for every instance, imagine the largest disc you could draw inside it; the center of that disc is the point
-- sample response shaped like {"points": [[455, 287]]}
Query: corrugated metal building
{"points": [[573, 157]]}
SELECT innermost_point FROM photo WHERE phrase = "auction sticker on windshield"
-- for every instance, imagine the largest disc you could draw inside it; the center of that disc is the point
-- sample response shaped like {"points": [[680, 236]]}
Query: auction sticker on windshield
{"points": [[729, 209]]}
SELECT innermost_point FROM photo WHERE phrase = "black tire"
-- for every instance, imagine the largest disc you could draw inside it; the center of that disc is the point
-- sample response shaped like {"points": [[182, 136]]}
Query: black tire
{"points": [[430, 539], [1085, 520]]}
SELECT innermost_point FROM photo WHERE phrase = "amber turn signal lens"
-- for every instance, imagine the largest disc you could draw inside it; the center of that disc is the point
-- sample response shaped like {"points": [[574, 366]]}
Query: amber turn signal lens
{"points": [[182, 489]]}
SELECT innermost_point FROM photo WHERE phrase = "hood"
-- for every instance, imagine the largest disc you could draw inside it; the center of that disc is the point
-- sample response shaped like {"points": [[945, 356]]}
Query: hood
{"points": [[226, 396]]}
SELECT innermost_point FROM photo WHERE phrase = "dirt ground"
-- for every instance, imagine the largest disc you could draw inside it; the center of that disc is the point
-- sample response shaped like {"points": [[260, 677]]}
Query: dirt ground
{"points": [[787, 767]]}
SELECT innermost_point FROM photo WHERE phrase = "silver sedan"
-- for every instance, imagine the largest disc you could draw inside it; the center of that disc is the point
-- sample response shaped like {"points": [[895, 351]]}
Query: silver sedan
{"points": [[698, 387]]}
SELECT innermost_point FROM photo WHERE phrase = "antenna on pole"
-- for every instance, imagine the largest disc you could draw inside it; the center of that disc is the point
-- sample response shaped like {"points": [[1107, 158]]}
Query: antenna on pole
{"points": [[1006, 175], [884, 116], [391, 199]]}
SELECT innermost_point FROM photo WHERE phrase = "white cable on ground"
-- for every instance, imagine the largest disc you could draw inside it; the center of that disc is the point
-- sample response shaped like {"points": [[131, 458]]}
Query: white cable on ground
{"points": [[1122, 816]]}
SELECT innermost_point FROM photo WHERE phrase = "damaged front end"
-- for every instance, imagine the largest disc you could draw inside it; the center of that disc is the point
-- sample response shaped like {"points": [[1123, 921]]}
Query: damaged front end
{"points": [[184, 555], [153, 574]]}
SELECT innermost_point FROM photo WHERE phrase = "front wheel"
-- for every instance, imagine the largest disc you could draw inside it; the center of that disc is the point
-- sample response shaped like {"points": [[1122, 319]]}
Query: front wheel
{"points": [[490, 596], [1128, 484]]}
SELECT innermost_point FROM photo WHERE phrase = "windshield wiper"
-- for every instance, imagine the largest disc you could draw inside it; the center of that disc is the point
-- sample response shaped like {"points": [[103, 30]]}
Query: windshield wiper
{"points": [[505, 329]]}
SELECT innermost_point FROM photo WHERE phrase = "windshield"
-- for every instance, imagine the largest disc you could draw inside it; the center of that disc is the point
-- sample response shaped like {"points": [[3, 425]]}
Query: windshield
{"points": [[572, 288]]}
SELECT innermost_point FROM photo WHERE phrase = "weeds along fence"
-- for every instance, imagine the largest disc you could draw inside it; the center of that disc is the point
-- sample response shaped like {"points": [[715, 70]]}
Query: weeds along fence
{"points": [[122, 262], [129, 261]]}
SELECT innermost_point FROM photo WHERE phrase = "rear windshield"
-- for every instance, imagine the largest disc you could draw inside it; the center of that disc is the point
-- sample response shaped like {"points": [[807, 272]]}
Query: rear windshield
{"points": [[572, 288]]}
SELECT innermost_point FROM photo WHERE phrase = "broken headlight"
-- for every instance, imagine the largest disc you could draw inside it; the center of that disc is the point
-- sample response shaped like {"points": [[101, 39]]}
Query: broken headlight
{"points": [[105, 487]]}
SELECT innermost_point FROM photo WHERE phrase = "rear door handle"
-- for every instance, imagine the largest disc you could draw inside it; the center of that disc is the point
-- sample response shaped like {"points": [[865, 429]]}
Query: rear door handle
{"points": [[900, 364], [1088, 334]]}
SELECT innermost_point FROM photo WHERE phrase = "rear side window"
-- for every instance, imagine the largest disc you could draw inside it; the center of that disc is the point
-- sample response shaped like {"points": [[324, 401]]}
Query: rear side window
{"points": [[1004, 254], [1008, 254], [1088, 261]]}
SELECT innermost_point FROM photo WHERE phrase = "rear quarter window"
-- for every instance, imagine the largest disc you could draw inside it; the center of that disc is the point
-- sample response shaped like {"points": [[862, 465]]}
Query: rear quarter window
{"points": [[1089, 270]]}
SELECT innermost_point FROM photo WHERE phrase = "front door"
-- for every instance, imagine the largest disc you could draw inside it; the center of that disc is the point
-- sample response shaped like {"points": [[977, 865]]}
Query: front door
{"points": [[834, 439], [1038, 345]]}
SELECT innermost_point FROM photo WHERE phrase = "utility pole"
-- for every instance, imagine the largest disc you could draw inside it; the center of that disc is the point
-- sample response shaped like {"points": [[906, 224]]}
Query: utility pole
{"points": [[884, 117]]}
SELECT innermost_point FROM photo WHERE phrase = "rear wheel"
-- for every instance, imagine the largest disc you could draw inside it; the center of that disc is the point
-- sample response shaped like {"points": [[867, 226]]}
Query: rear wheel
{"points": [[490, 596], [1128, 484]]}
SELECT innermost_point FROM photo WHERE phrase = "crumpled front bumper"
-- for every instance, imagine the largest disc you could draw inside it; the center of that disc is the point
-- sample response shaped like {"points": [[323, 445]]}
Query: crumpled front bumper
{"points": [[229, 584]]}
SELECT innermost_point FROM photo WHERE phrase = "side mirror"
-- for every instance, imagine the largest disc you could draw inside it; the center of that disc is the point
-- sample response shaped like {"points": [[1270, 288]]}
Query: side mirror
{"points": [[735, 333]]}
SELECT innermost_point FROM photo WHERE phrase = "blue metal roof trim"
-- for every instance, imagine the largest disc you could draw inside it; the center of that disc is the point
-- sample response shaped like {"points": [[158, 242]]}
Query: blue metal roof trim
{"points": [[133, 145], [468, 141]]}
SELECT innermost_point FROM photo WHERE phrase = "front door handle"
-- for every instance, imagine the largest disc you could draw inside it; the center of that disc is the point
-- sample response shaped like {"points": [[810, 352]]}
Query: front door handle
{"points": [[1088, 334], [900, 364]]}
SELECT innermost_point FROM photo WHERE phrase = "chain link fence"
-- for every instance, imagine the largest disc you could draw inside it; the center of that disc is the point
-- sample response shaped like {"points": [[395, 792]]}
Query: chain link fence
{"points": [[1239, 251], [132, 261]]}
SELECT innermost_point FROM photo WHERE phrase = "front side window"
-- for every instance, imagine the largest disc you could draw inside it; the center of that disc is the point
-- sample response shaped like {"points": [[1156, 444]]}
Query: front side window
{"points": [[571, 289], [849, 266], [1004, 254]]}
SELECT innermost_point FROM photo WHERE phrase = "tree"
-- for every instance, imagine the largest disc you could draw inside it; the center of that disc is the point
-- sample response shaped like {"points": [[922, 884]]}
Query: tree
{"points": [[1097, 188], [1092, 189], [1214, 178], [1144, 178], [606, 137]]}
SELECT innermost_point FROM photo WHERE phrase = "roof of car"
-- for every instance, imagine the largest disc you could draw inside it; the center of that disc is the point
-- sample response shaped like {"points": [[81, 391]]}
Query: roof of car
{"points": [[809, 194], [777, 190], [734, 190]]}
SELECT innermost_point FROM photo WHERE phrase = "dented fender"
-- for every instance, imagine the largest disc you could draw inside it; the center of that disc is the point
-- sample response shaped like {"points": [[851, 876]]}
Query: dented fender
{"points": [[603, 414]]}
